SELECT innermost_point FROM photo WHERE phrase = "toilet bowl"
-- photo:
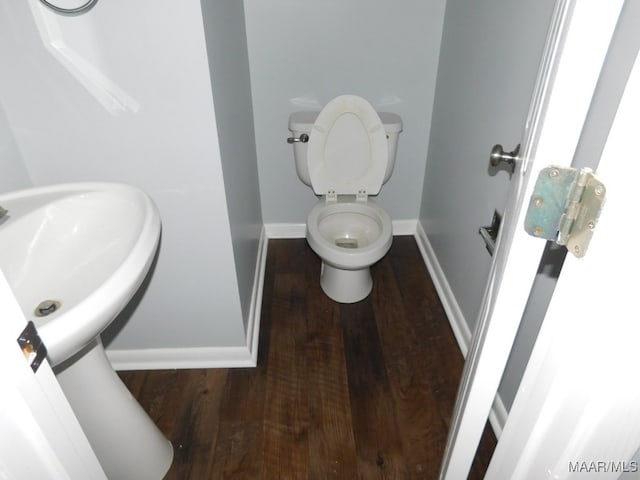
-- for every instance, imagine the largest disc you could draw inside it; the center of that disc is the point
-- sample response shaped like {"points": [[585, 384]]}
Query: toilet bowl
{"points": [[349, 236], [346, 152]]}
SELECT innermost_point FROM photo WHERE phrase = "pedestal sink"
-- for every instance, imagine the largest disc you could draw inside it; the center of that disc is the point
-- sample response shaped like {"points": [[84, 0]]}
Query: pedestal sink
{"points": [[74, 255]]}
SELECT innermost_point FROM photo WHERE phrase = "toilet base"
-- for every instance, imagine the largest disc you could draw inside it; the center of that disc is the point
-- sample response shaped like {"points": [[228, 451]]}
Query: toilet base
{"points": [[127, 443], [345, 286]]}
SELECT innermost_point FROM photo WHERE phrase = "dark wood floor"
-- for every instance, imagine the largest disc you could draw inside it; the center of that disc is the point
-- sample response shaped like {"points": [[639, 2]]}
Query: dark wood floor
{"points": [[360, 391]]}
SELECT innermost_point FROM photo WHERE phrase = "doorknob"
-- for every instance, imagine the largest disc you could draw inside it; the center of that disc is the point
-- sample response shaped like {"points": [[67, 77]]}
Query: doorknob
{"points": [[498, 156]]}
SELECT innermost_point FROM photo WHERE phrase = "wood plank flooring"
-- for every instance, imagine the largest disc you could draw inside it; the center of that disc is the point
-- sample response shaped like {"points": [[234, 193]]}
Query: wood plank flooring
{"points": [[360, 391]]}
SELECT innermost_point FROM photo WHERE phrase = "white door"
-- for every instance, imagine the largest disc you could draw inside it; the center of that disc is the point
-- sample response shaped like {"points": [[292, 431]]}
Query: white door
{"points": [[577, 411], [39, 434], [566, 83]]}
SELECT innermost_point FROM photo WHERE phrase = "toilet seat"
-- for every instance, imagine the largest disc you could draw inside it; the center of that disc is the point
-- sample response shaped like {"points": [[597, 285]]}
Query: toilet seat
{"points": [[352, 158]]}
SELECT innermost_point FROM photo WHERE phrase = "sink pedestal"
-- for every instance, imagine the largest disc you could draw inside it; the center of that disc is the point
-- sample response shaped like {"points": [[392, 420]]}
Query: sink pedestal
{"points": [[127, 443]]}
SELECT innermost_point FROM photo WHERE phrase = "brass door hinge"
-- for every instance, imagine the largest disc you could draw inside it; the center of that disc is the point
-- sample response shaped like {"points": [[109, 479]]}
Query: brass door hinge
{"points": [[565, 207]]}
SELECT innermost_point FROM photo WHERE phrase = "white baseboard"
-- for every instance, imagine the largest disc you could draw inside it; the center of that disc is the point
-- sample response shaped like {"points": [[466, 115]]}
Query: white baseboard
{"points": [[204, 357], [404, 227], [255, 309], [299, 230], [286, 230], [447, 298], [498, 414], [179, 358]]}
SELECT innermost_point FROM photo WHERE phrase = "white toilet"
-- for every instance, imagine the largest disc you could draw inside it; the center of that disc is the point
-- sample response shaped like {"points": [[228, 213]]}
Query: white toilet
{"points": [[346, 152]]}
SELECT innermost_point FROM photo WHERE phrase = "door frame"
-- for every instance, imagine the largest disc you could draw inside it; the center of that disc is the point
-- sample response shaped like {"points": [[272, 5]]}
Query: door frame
{"points": [[577, 410], [40, 436], [564, 88]]}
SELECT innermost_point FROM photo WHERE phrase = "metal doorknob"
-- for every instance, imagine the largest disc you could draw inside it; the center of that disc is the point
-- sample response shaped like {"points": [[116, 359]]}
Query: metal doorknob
{"points": [[498, 156]]}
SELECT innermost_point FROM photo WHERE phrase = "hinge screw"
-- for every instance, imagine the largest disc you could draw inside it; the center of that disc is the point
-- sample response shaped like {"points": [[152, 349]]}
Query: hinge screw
{"points": [[554, 172]]}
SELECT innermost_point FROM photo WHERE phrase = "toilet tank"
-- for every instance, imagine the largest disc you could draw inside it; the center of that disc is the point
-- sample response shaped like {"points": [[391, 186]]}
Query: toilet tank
{"points": [[302, 122]]}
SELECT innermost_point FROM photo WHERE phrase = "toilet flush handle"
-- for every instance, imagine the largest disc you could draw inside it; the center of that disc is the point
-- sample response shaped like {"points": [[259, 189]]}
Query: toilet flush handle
{"points": [[303, 138]]}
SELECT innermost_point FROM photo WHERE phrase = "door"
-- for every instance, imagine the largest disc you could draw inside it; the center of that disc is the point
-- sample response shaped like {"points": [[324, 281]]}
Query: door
{"points": [[577, 412], [562, 96], [39, 434]]}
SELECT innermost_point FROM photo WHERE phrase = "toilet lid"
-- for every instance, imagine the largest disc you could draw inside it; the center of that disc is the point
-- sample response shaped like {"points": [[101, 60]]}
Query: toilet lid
{"points": [[347, 150]]}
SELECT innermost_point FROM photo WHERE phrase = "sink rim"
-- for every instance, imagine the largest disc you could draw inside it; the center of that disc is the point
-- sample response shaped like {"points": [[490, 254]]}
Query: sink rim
{"points": [[68, 331]]}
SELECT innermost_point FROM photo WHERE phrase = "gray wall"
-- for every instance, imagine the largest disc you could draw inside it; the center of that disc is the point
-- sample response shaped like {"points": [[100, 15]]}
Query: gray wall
{"points": [[304, 53], [488, 66], [229, 69], [152, 125], [13, 174]]}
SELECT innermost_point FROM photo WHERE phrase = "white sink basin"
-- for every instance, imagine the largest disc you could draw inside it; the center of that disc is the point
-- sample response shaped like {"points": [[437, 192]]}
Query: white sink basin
{"points": [[87, 246]]}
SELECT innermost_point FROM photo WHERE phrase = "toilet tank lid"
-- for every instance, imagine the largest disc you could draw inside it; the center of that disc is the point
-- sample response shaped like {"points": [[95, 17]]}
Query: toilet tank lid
{"points": [[303, 121]]}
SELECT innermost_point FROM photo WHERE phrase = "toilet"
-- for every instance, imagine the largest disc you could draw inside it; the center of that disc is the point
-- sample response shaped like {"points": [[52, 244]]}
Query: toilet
{"points": [[346, 152]]}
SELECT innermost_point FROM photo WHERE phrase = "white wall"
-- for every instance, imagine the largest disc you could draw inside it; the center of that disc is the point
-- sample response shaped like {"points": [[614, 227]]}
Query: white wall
{"points": [[304, 53], [141, 112]]}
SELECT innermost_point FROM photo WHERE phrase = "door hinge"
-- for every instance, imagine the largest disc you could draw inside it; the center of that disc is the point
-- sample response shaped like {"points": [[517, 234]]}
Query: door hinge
{"points": [[565, 207], [32, 347]]}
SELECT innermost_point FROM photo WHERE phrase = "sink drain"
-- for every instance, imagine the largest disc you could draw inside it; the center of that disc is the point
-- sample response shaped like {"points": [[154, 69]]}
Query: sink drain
{"points": [[46, 307]]}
